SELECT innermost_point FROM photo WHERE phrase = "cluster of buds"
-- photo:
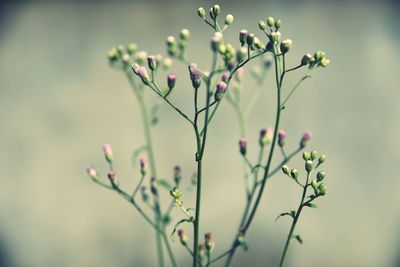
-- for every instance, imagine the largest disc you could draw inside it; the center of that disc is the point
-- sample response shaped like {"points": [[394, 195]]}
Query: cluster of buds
{"points": [[319, 59], [176, 47], [266, 136], [215, 11]]}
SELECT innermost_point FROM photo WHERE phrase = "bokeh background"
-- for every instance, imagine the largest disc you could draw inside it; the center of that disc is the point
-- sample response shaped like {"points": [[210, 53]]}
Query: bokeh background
{"points": [[60, 101]]}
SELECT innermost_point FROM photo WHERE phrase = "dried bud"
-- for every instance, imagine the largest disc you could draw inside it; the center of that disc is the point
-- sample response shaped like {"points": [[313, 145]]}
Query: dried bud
{"points": [[228, 19], [243, 146], [132, 48], [286, 169], [195, 75], [182, 237], [306, 59], [281, 137], [108, 152], [143, 165], [112, 177], [243, 36], [321, 159], [308, 166], [286, 45], [221, 89], [266, 136], [152, 62], [294, 173], [209, 242], [177, 175], [306, 137], [314, 155], [320, 176], [171, 79], [92, 172], [270, 21], [185, 34], [201, 12], [262, 25]]}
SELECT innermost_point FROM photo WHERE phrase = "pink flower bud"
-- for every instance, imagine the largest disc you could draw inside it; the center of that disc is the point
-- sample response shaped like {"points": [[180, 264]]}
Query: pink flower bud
{"points": [[281, 137], [306, 137], [143, 164], [221, 89], [182, 237], [243, 146], [239, 74], [195, 75], [209, 242], [143, 74], [266, 136], [108, 152], [225, 76], [92, 172], [152, 62], [171, 78]]}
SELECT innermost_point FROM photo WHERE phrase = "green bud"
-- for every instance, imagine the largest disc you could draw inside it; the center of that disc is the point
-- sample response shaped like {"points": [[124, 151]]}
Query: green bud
{"points": [[278, 24], [241, 54], [229, 19], [276, 37], [120, 49], [185, 34], [320, 176], [314, 184], [201, 12], [270, 21], [321, 159], [322, 188], [306, 155], [294, 173], [286, 169], [112, 54], [132, 48], [229, 52], [306, 59], [262, 25], [286, 45], [324, 62], [309, 166], [319, 55], [314, 155], [176, 193], [257, 43], [216, 10]]}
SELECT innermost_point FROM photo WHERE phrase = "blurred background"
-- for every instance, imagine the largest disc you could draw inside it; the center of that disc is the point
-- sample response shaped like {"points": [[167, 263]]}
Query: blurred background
{"points": [[60, 101]]}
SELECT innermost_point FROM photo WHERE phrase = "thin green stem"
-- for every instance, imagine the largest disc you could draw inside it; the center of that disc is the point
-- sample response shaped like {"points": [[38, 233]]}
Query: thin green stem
{"points": [[306, 76]]}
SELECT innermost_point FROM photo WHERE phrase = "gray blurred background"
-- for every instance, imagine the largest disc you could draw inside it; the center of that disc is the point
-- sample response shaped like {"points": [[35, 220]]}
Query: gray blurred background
{"points": [[60, 101]]}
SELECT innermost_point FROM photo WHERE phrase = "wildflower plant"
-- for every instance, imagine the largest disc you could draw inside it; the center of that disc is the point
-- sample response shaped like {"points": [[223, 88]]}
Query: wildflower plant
{"points": [[222, 82]]}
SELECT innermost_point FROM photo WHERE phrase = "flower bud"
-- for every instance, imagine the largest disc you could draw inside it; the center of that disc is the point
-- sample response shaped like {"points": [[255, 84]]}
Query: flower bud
{"points": [[171, 79], [281, 137], [167, 63], [262, 25], [108, 152], [126, 58], [176, 193], [143, 165], [225, 76], [92, 172], [278, 24], [120, 49], [143, 191], [321, 159], [177, 174], [239, 74], [182, 237], [143, 74], [319, 55], [269, 46], [216, 41], [132, 48], [171, 40], [294, 173], [229, 19], [201, 251], [216, 10], [242, 54], [229, 52], [270, 21], [257, 43], [324, 62], [322, 188], [314, 184], [141, 57], [112, 177], [195, 75], [243, 146], [306, 59], [276, 37], [314, 155], [320, 176], [250, 39], [209, 242], [306, 155], [243, 36], [309, 166], [153, 186], [201, 12], [185, 34], [240, 239], [306, 137], [151, 62], [113, 54], [266, 136], [286, 45], [221, 89], [135, 68], [286, 169]]}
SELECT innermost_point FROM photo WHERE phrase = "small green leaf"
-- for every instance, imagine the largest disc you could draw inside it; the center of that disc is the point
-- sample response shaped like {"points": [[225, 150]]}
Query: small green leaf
{"points": [[164, 183], [298, 238], [179, 223], [311, 205], [245, 246], [284, 214]]}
